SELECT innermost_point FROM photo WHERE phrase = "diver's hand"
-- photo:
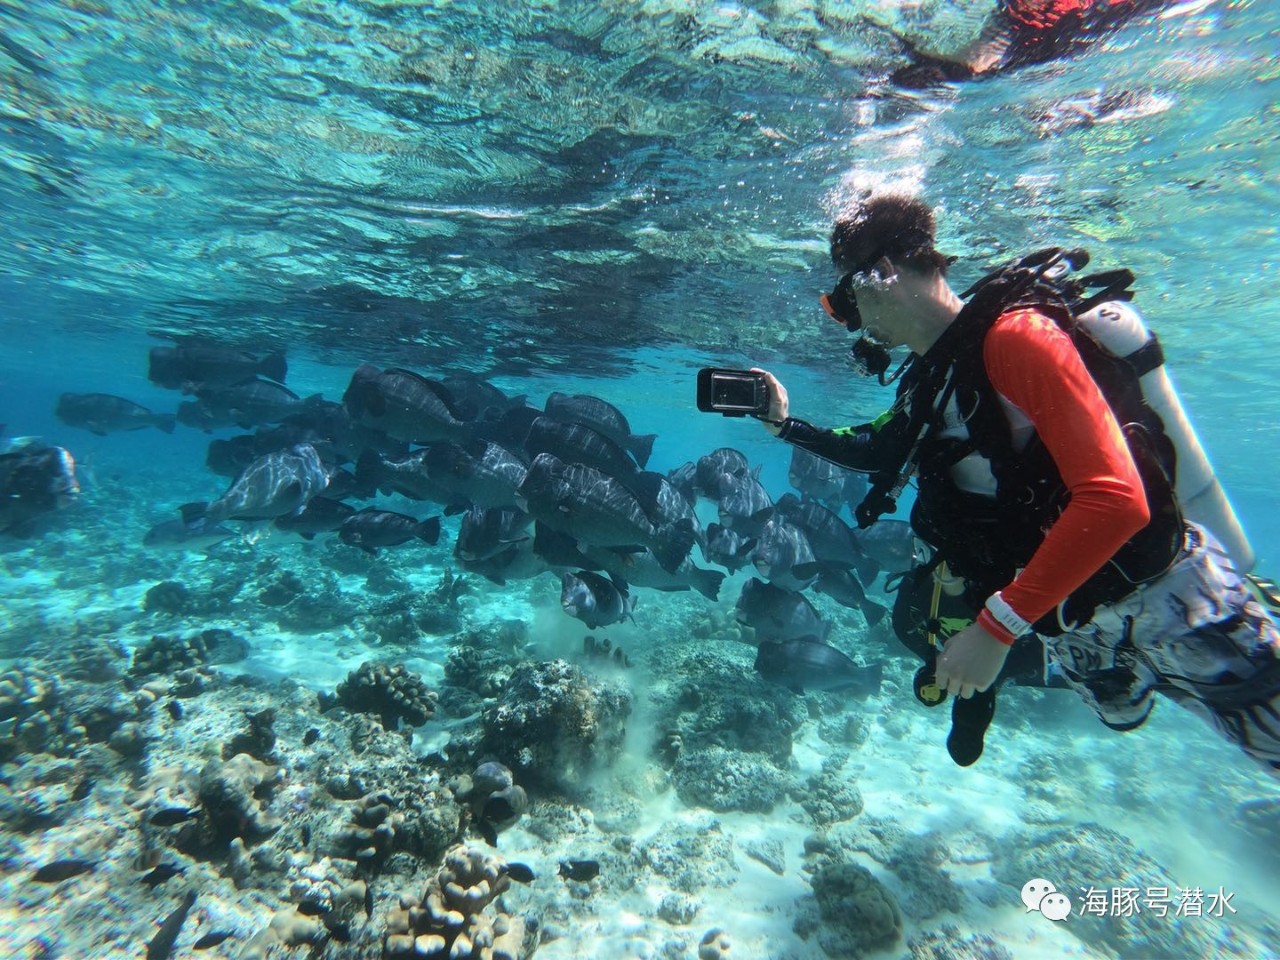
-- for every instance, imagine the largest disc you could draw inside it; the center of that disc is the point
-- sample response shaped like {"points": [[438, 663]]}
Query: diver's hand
{"points": [[778, 404], [970, 661]]}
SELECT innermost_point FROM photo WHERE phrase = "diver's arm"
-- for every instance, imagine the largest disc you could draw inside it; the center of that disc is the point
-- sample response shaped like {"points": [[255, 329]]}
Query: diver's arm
{"points": [[850, 447], [1034, 365], [854, 448]]}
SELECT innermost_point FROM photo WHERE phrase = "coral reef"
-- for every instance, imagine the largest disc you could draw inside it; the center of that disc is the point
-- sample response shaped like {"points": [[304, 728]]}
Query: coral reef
{"points": [[714, 945], [389, 691], [28, 718], [850, 913], [553, 723], [170, 654], [724, 780], [829, 797], [494, 798], [452, 917], [727, 706], [170, 596], [947, 943], [233, 794]]}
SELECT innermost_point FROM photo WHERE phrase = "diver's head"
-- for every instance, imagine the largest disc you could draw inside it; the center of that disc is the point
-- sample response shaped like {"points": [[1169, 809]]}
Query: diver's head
{"points": [[891, 277]]}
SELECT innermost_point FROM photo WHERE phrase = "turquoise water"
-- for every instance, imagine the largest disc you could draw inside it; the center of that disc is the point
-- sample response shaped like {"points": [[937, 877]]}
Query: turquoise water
{"points": [[601, 198]]}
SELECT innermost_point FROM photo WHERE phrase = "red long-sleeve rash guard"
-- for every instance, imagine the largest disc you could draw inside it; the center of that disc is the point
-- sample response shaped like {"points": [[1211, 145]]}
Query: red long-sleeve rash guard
{"points": [[1033, 364]]}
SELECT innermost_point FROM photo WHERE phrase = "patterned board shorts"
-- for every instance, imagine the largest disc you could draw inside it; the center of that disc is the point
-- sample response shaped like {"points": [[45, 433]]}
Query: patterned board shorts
{"points": [[1197, 635]]}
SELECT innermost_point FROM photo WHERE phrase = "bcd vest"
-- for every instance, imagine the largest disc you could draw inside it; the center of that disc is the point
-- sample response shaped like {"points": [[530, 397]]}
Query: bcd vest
{"points": [[988, 540]]}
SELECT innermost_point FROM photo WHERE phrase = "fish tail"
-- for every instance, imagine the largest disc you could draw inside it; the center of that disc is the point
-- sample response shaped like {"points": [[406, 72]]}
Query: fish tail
{"points": [[672, 543], [641, 447], [429, 530]]}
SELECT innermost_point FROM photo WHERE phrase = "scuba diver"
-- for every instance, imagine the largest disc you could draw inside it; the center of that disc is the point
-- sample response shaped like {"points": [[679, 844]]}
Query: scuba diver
{"points": [[1021, 32], [1078, 534]]}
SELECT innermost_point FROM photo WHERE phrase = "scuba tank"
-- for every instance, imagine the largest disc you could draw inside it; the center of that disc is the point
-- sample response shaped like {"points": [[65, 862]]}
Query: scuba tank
{"points": [[1119, 329]]}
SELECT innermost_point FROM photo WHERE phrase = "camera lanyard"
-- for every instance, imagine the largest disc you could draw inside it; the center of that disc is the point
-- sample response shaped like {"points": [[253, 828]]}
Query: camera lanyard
{"points": [[883, 496]]}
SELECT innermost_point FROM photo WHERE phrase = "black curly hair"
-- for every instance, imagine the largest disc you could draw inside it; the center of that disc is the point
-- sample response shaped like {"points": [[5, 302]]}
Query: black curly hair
{"points": [[896, 226]]}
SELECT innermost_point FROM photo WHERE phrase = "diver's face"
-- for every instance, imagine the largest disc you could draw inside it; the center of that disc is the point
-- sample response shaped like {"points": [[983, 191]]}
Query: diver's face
{"points": [[883, 318]]}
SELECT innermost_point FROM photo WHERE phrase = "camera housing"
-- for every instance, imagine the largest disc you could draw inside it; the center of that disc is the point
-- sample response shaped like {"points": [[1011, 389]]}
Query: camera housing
{"points": [[732, 393]]}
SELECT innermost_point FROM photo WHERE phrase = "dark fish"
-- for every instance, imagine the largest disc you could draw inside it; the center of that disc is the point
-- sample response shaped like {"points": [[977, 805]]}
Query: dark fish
{"points": [[744, 505], [685, 479], [487, 831], [305, 831], [728, 549], [586, 504], [370, 529], [249, 403], [603, 417], [476, 472], [175, 709], [406, 476], [83, 789], [578, 443], [368, 900], [834, 542], [192, 365], [199, 535], [403, 404], [311, 736], [229, 457], [640, 568], [844, 588], [313, 908], [783, 555], [272, 486], [579, 870], [172, 816], [720, 462], [801, 665], [486, 532], [161, 945], [816, 478], [103, 413], [595, 600], [475, 398], [890, 543], [35, 480], [520, 872], [212, 939], [60, 870], [320, 515], [163, 872], [778, 614]]}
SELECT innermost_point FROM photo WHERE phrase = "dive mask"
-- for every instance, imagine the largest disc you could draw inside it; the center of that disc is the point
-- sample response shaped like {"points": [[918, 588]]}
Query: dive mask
{"points": [[841, 304]]}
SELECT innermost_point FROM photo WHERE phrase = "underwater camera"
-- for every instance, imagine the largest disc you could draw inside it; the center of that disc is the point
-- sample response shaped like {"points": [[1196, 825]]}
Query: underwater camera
{"points": [[732, 393]]}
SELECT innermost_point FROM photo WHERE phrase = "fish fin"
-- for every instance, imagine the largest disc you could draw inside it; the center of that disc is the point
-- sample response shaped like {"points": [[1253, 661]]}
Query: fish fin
{"points": [[429, 530], [707, 583], [641, 447], [453, 509], [193, 512], [874, 612], [165, 422], [807, 571], [274, 366], [673, 543], [866, 568]]}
